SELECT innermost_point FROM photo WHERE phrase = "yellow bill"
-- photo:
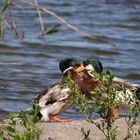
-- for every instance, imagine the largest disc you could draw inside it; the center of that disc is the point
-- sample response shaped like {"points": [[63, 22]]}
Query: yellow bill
{"points": [[80, 68]]}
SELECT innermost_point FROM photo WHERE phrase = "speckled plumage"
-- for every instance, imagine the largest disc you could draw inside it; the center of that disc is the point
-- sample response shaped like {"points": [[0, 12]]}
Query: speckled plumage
{"points": [[52, 100]]}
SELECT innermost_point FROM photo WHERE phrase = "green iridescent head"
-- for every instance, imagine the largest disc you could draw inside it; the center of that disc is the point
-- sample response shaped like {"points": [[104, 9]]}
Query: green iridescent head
{"points": [[93, 64]]}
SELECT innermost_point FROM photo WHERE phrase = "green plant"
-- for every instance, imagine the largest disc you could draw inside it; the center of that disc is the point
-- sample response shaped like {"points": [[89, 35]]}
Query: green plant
{"points": [[103, 106], [2, 137], [7, 21], [28, 120], [49, 31], [85, 134], [132, 118], [3, 21]]}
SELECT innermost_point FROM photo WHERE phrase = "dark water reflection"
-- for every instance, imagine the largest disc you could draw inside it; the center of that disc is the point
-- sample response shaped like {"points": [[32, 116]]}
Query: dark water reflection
{"points": [[28, 65]]}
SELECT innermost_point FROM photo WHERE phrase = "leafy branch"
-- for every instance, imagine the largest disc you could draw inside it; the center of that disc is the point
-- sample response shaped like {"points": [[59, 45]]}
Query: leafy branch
{"points": [[105, 107]]}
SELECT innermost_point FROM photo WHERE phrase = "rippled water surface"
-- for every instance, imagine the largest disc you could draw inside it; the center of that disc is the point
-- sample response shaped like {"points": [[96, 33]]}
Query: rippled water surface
{"points": [[29, 65]]}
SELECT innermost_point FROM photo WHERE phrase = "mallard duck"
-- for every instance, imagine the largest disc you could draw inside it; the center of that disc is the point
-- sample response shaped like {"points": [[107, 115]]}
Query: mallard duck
{"points": [[89, 82], [92, 64], [52, 99]]}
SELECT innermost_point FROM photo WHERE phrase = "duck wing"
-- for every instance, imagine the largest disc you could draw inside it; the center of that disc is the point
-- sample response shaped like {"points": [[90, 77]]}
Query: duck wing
{"points": [[118, 81], [49, 95]]}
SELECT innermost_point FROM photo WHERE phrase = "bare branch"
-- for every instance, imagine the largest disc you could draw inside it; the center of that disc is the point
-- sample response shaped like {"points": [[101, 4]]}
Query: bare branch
{"points": [[63, 21], [40, 17]]}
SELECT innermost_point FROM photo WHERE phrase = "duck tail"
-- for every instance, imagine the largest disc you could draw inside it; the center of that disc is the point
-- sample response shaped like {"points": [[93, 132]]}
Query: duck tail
{"points": [[129, 86]]}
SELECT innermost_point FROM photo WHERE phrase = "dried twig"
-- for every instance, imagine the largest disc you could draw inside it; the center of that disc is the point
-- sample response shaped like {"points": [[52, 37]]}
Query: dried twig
{"points": [[63, 21], [13, 27], [40, 17]]}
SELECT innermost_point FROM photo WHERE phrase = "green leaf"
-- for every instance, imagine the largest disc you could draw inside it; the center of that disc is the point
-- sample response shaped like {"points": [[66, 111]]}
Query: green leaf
{"points": [[15, 114], [41, 37], [2, 137], [11, 129], [6, 6], [54, 29]]}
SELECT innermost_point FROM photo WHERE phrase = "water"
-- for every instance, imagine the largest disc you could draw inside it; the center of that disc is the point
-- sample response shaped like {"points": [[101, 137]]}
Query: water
{"points": [[27, 66]]}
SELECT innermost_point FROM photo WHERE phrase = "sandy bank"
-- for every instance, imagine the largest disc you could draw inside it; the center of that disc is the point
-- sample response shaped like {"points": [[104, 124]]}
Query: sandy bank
{"points": [[72, 130]]}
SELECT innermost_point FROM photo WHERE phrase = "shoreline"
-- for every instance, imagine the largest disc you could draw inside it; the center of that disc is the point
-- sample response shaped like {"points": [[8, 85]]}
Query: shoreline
{"points": [[72, 130]]}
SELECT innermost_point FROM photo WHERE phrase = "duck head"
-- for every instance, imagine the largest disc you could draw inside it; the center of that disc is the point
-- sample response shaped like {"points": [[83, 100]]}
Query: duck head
{"points": [[89, 64], [92, 64], [68, 64]]}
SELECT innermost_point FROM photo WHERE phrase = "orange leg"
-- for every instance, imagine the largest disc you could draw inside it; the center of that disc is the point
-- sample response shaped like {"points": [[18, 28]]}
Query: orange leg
{"points": [[116, 111], [58, 119]]}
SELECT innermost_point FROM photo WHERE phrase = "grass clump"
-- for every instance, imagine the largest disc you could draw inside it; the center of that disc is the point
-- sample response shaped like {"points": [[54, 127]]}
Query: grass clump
{"points": [[28, 120]]}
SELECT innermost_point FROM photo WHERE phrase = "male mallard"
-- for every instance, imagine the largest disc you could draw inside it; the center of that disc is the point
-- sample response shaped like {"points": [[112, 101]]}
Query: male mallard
{"points": [[52, 100], [89, 82], [92, 64]]}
